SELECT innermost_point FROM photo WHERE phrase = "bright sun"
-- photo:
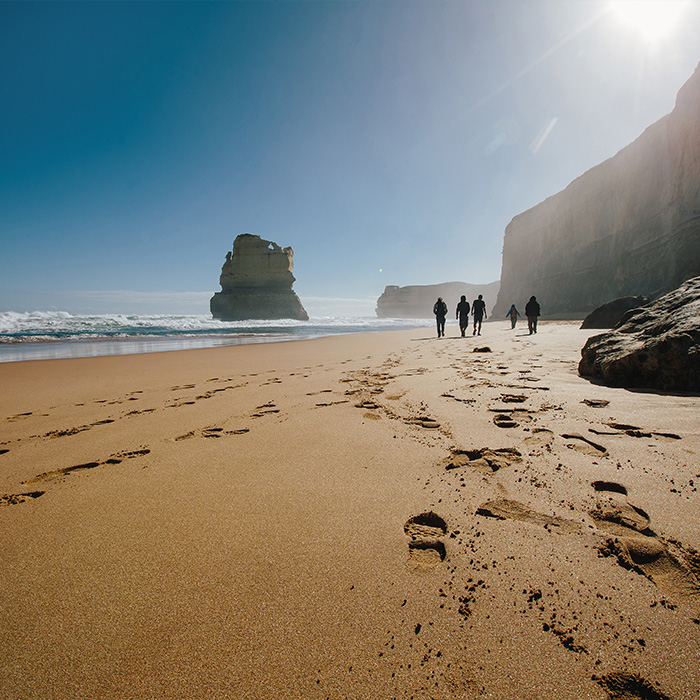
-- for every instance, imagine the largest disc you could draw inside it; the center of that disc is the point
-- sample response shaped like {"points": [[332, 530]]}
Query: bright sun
{"points": [[653, 20]]}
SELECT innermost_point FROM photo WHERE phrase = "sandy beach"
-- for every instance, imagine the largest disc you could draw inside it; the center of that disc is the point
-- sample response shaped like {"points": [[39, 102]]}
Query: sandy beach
{"points": [[381, 515]]}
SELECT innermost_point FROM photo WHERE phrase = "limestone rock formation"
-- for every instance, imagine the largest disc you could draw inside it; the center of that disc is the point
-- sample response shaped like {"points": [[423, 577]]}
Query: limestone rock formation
{"points": [[609, 315], [417, 301], [256, 283], [628, 226], [655, 346]]}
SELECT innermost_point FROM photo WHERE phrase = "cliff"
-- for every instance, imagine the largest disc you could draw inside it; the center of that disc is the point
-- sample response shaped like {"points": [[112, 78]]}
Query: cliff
{"points": [[628, 226], [417, 301], [256, 283]]}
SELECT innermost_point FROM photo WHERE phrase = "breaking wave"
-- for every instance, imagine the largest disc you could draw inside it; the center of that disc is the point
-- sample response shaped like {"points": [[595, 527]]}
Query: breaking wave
{"points": [[22, 330]]}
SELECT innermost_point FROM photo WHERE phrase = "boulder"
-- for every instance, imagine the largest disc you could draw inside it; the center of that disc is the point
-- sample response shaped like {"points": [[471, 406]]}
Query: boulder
{"points": [[656, 346], [630, 225], [609, 315], [256, 283], [416, 301]]}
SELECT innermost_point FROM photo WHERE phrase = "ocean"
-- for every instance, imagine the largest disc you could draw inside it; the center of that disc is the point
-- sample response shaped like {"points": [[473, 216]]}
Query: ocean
{"points": [[48, 335]]}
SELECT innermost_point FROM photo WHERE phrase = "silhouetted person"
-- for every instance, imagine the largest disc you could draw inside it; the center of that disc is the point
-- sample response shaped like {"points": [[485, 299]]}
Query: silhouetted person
{"points": [[462, 314], [479, 313], [513, 314], [440, 311], [532, 311]]}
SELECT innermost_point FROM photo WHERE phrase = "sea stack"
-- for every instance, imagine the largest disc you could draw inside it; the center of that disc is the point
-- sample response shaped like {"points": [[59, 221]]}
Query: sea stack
{"points": [[256, 283]]}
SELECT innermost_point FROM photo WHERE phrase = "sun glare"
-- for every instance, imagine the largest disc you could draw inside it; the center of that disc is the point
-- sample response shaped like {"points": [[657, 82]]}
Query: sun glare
{"points": [[653, 20]]}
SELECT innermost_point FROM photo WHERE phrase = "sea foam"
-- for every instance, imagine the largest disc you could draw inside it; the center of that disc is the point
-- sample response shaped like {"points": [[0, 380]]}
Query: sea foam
{"points": [[76, 330]]}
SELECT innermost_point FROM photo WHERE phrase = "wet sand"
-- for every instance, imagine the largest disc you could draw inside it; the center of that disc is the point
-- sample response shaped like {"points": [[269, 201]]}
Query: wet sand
{"points": [[384, 515]]}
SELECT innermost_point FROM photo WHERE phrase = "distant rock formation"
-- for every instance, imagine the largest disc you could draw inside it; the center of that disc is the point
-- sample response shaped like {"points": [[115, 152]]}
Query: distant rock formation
{"points": [[256, 283], [417, 301], [655, 346], [609, 315], [628, 226]]}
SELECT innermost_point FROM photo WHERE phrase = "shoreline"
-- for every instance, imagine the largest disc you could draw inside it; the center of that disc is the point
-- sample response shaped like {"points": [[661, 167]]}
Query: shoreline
{"points": [[381, 514], [76, 348], [49, 341]]}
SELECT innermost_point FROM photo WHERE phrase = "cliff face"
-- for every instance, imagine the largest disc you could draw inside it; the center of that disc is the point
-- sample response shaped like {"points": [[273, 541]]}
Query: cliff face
{"points": [[629, 226], [417, 301], [256, 283]]}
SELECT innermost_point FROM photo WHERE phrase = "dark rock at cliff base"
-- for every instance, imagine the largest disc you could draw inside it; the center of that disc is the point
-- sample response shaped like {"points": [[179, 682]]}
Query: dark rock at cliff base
{"points": [[417, 301], [630, 225], [610, 314], [655, 346], [256, 283]]}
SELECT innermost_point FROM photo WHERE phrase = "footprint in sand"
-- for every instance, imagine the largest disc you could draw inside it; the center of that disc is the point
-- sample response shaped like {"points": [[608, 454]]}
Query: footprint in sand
{"points": [[513, 398], [428, 423], [424, 422], [666, 436], [634, 431], [459, 398], [631, 430], [539, 436], [504, 509], [66, 431], [11, 499], [211, 433], [637, 547], [628, 686], [485, 459], [65, 471], [61, 472], [584, 445], [504, 420], [137, 413], [265, 409], [17, 416], [425, 547], [612, 507]]}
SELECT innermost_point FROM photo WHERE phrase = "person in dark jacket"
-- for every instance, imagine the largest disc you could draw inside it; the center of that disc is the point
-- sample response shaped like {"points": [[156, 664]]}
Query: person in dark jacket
{"points": [[479, 313], [532, 311], [440, 311], [462, 314]]}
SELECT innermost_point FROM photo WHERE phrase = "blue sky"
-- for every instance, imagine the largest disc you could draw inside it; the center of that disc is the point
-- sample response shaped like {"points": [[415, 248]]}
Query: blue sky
{"points": [[386, 141]]}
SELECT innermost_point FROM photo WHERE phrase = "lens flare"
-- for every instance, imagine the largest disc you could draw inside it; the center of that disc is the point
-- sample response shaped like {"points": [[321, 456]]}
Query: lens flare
{"points": [[652, 20]]}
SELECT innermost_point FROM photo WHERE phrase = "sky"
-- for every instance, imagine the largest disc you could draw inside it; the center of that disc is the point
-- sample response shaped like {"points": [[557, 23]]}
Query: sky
{"points": [[388, 142]]}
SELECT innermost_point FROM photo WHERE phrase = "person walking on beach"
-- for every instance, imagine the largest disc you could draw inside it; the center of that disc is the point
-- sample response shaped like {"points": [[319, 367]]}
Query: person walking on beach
{"points": [[532, 311], [462, 314], [479, 313], [440, 311], [513, 314]]}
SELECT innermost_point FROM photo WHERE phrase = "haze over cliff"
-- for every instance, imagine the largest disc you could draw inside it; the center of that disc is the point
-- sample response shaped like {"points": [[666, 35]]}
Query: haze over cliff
{"points": [[416, 301], [628, 226]]}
